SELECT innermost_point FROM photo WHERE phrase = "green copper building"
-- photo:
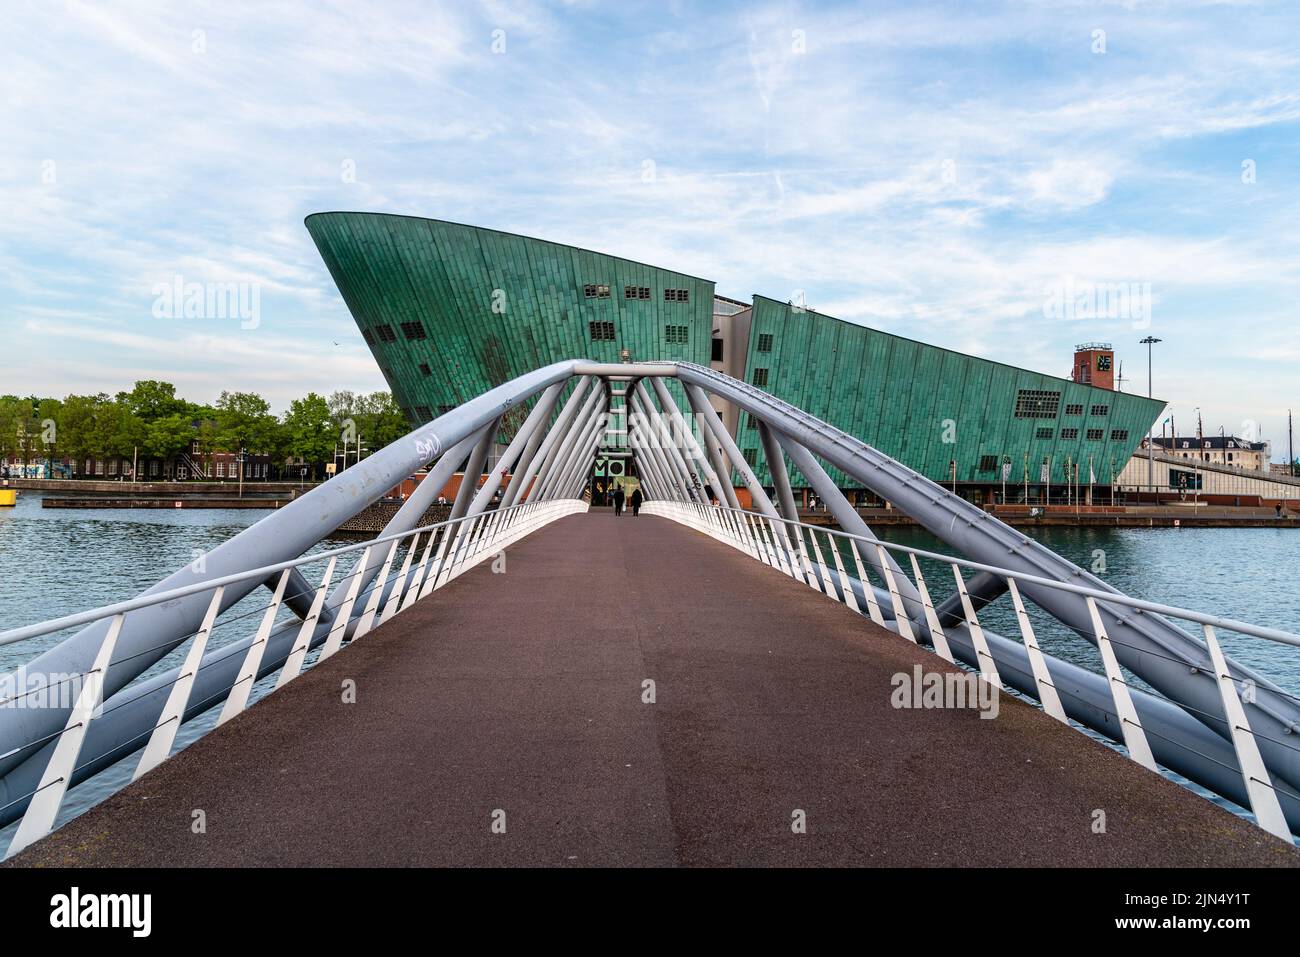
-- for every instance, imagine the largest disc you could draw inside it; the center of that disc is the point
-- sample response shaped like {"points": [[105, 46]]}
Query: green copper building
{"points": [[450, 311]]}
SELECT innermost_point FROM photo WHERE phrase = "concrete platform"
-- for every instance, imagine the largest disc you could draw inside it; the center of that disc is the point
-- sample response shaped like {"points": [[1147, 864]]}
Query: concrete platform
{"points": [[522, 693]]}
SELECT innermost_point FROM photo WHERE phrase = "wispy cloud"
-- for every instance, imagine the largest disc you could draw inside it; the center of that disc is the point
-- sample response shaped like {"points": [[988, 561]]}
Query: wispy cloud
{"points": [[928, 169]]}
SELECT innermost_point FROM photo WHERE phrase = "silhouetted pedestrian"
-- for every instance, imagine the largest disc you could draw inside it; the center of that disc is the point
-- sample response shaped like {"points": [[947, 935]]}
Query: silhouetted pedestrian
{"points": [[637, 499], [618, 500]]}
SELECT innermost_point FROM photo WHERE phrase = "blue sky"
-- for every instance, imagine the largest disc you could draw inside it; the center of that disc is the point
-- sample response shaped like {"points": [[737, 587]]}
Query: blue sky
{"points": [[935, 170]]}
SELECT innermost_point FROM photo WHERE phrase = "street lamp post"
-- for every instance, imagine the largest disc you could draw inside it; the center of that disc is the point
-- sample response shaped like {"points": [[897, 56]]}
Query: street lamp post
{"points": [[1150, 341]]}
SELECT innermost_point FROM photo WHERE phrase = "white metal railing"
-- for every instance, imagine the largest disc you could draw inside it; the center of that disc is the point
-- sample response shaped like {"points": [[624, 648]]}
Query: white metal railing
{"points": [[793, 548], [449, 550]]}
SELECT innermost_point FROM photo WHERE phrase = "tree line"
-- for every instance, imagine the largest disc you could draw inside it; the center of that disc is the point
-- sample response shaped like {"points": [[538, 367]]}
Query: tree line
{"points": [[151, 421]]}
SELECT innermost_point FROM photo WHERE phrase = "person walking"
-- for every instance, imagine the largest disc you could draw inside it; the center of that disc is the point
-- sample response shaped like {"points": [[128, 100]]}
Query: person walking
{"points": [[637, 499], [618, 500]]}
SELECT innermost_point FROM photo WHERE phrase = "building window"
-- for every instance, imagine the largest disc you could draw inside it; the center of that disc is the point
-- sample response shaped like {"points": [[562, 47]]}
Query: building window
{"points": [[717, 351], [596, 291], [1074, 408], [154, 466], [677, 295], [751, 457], [601, 330], [1119, 435], [760, 377], [1069, 433], [221, 470], [424, 369], [423, 413], [1096, 435], [765, 342], [414, 330], [753, 422], [385, 333], [636, 292], [444, 409], [1044, 434], [988, 463], [1037, 404], [368, 336], [1101, 410], [677, 335]]}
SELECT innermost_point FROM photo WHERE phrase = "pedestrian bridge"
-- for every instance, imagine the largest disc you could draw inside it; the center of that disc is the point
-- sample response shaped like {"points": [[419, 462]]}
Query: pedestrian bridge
{"points": [[540, 683]]}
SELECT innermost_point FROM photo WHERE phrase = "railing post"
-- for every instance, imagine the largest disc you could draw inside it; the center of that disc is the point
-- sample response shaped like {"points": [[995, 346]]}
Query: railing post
{"points": [[344, 613], [372, 603], [900, 613], [173, 712], [237, 700], [827, 585], [1259, 786], [1130, 726], [44, 806], [805, 565], [394, 602], [988, 666], [298, 654], [1047, 695], [780, 546], [937, 637], [868, 591], [850, 597]]}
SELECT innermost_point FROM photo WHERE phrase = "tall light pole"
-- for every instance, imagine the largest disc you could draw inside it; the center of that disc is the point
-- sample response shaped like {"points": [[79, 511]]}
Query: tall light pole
{"points": [[1150, 341]]}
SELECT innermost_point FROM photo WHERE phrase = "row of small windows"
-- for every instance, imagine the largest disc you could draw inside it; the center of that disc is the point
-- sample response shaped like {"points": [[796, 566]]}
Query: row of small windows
{"points": [[384, 332], [602, 330], [1093, 435], [1037, 404], [1044, 404], [600, 290]]}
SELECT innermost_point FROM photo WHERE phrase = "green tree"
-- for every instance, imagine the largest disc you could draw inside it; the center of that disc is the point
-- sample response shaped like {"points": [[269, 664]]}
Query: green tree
{"points": [[151, 399], [169, 436], [385, 421], [11, 422], [244, 420], [309, 430], [77, 428]]}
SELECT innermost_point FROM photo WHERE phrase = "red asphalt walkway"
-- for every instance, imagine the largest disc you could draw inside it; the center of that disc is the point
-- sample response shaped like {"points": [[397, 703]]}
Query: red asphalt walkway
{"points": [[522, 693]]}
